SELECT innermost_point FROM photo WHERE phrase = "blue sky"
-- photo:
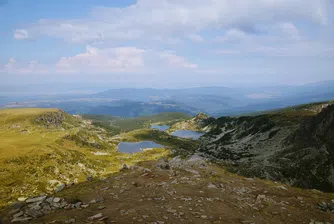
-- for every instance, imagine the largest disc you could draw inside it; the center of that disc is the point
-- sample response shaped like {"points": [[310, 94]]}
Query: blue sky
{"points": [[154, 43]]}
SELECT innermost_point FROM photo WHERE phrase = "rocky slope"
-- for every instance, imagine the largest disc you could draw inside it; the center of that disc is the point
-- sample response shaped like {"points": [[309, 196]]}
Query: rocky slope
{"points": [[200, 122], [190, 190], [293, 145]]}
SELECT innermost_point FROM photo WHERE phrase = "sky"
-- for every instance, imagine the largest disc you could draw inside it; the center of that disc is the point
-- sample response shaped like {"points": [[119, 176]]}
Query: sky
{"points": [[166, 43]]}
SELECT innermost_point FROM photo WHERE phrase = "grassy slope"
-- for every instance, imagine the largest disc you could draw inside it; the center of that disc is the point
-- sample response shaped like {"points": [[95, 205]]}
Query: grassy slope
{"points": [[33, 153]]}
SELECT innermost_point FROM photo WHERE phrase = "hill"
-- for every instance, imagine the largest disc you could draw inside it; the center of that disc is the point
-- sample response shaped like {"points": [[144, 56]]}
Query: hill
{"points": [[200, 122], [292, 145], [42, 150]]}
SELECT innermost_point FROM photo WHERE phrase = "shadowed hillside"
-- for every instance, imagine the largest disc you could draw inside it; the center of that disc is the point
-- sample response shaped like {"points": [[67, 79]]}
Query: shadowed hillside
{"points": [[293, 145]]}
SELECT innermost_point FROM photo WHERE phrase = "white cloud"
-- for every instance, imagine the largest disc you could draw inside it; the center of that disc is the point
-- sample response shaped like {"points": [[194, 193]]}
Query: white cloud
{"points": [[176, 18], [107, 60], [31, 67], [233, 35], [176, 61], [123, 59], [196, 38], [284, 39], [290, 30], [21, 34]]}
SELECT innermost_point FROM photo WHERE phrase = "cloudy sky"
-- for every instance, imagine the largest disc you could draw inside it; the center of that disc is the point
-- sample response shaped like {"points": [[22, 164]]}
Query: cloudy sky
{"points": [[155, 43]]}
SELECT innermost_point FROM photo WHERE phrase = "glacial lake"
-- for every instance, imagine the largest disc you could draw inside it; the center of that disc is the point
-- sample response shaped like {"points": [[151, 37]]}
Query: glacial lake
{"points": [[160, 127], [188, 134], [132, 147]]}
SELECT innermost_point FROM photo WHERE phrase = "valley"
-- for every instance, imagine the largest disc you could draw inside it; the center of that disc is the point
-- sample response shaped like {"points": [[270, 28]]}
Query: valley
{"points": [[250, 165]]}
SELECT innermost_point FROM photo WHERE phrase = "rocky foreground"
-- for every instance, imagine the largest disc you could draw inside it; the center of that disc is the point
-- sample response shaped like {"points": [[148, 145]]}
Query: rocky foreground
{"points": [[188, 190]]}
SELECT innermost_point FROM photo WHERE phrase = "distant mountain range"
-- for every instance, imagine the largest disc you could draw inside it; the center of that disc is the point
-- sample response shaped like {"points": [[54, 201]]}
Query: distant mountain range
{"points": [[216, 101]]}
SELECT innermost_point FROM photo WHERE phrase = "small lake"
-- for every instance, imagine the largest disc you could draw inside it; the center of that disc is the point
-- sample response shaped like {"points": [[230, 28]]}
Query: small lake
{"points": [[188, 134], [132, 147], [160, 127]]}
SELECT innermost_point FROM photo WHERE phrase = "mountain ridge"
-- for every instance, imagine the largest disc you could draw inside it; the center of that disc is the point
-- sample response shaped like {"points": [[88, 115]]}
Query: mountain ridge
{"points": [[286, 145]]}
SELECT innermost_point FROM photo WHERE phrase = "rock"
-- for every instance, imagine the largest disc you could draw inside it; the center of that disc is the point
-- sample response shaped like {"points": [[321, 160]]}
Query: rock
{"points": [[22, 199], [100, 199], [281, 187], [53, 185], [195, 172], [60, 188], [103, 219], [174, 181], [20, 213], [85, 206], [176, 162], [36, 207], [101, 207], [94, 217], [46, 208], [36, 199], [197, 160], [16, 210], [56, 199], [212, 186], [204, 217], [49, 199], [163, 164], [124, 167], [34, 213], [171, 210], [63, 204], [78, 204], [21, 219], [327, 207], [89, 178], [260, 198], [72, 220], [17, 205], [105, 188]]}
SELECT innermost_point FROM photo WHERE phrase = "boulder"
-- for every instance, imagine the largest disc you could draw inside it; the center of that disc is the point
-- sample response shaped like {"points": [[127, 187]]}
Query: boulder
{"points": [[94, 217], [163, 164], [36, 199]]}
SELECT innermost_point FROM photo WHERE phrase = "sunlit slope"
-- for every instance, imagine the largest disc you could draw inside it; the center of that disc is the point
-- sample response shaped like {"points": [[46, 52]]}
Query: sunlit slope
{"points": [[43, 149]]}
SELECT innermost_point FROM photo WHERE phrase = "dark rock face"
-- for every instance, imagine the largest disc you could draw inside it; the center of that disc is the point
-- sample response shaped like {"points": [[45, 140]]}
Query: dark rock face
{"points": [[317, 131], [202, 120], [51, 119], [311, 147], [298, 151]]}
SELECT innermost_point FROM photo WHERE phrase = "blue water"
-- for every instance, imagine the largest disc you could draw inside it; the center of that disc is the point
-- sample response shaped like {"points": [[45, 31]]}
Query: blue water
{"points": [[131, 147], [160, 127], [188, 134]]}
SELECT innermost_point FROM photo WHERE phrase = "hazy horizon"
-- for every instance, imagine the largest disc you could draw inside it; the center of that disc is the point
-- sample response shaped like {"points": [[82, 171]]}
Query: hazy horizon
{"points": [[91, 88]]}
